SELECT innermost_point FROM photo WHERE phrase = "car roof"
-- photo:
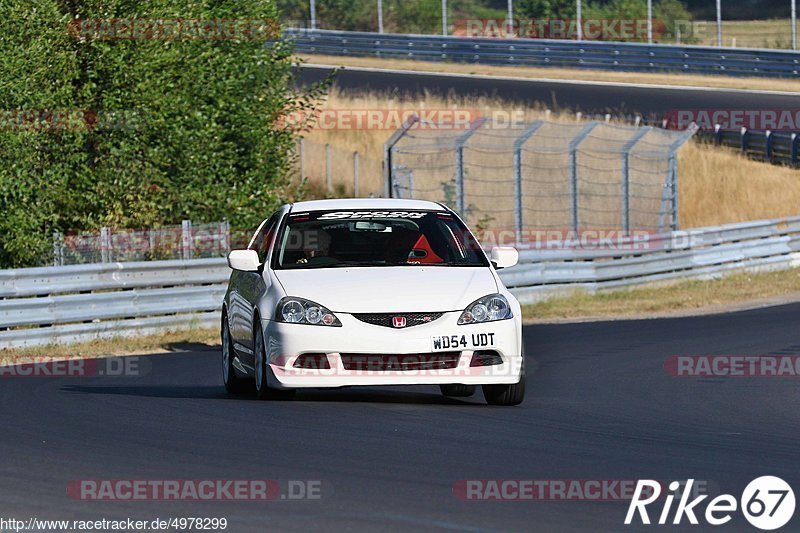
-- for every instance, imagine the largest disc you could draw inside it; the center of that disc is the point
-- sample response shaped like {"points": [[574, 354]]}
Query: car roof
{"points": [[366, 203]]}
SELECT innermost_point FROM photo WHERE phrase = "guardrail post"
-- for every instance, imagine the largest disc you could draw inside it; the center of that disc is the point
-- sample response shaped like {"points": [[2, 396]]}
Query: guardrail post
{"points": [[518, 142], [387, 153], [768, 146], [795, 149], [626, 193], [460, 142], [743, 139], [105, 245], [355, 174], [328, 180], [186, 239], [573, 170]]}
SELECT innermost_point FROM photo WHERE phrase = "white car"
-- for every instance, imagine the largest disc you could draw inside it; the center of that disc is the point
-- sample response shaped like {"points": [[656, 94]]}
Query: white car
{"points": [[335, 293]]}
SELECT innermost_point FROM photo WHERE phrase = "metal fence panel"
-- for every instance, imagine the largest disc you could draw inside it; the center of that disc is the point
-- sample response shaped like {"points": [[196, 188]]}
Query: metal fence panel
{"points": [[566, 176], [186, 241], [336, 170]]}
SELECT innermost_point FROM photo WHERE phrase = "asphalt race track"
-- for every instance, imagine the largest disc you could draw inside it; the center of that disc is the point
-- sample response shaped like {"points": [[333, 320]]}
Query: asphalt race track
{"points": [[586, 97], [600, 406]]}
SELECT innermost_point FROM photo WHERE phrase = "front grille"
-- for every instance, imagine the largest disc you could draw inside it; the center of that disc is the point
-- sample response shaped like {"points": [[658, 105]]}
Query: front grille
{"points": [[400, 362], [386, 319]]}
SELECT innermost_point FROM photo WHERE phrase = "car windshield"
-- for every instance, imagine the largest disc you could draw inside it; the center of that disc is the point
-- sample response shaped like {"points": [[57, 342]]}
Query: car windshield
{"points": [[331, 239]]}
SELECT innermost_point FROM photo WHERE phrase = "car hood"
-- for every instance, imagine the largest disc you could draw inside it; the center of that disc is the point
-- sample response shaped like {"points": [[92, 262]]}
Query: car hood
{"points": [[390, 289]]}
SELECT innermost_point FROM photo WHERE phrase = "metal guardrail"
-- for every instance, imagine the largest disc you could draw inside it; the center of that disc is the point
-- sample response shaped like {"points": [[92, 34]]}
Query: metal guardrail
{"points": [[763, 145], [776, 147], [695, 254], [74, 303], [551, 53], [80, 302], [48, 281]]}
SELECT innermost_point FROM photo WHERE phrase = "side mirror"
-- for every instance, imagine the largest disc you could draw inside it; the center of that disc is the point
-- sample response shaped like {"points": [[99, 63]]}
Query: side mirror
{"points": [[504, 257], [244, 260]]}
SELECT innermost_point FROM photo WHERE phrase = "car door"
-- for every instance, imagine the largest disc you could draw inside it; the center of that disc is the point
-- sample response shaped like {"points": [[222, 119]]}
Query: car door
{"points": [[250, 287]]}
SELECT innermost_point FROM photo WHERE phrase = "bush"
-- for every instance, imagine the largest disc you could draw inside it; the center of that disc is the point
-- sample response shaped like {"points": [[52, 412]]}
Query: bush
{"points": [[172, 129]]}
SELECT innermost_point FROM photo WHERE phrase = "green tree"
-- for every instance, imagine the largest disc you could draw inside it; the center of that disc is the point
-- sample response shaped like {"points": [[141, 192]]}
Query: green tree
{"points": [[546, 9], [187, 128]]}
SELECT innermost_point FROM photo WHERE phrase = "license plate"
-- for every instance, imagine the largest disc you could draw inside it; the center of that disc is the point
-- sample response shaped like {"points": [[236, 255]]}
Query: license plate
{"points": [[461, 341]]}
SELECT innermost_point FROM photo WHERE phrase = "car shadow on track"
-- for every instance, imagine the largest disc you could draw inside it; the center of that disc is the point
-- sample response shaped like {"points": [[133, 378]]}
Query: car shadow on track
{"points": [[365, 395], [154, 391], [371, 395]]}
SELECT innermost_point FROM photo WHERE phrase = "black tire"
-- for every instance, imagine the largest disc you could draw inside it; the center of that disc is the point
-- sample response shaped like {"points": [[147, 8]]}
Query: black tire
{"points": [[456, 390], [233, 383], [263, 391], [511, 394]]}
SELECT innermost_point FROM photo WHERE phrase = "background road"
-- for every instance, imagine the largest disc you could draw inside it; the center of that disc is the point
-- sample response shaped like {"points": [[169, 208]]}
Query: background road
{"points": [[586, 97], [599, 406]]}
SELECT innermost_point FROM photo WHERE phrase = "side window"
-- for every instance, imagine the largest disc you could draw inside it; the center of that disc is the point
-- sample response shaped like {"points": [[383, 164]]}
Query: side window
{"points": [[264, 236]]}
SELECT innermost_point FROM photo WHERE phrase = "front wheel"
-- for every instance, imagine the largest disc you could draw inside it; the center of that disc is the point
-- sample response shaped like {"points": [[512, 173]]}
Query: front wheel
{"points": [[511, 394], [233, 383], [263, 391]]}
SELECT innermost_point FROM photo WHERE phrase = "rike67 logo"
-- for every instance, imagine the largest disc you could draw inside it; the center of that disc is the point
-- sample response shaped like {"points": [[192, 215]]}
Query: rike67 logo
{"points": [[767, 503]]}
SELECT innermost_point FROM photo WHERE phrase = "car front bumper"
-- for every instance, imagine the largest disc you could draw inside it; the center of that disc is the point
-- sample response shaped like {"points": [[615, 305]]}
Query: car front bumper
{"points": [[355, 340]]}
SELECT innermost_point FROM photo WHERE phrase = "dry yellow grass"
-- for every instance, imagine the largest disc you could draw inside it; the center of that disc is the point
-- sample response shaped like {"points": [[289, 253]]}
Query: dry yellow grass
{"points": [[170, 341], [717, 185], [773, 33], [692, 80]]}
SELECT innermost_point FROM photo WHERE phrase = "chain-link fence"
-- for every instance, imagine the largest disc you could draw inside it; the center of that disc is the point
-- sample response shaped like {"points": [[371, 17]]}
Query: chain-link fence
{"points": [[341, 172], [187, 241], [542, 175]]}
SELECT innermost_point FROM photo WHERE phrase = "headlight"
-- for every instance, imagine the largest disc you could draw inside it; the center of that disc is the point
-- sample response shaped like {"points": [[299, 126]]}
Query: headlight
{"points": [[487, 309], [301, 311]]}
